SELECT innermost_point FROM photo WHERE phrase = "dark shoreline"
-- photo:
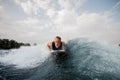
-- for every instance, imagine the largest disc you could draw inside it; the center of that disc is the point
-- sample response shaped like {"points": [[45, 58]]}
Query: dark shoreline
{"points": [[7, 44]]}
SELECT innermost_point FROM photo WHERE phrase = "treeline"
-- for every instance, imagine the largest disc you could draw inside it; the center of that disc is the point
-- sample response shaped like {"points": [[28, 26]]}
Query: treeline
{"points": [[10, 44]]}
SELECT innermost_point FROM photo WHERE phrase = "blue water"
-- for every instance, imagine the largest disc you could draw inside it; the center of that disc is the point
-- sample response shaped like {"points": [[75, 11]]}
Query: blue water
{"points": [[86, 60]]}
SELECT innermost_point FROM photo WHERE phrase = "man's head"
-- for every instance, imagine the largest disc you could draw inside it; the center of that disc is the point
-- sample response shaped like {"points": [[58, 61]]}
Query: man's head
{"points": [[57, 39]]}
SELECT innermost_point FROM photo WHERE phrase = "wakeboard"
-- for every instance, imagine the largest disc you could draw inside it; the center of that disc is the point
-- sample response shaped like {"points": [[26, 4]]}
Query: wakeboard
{"points": [[59, 54]]}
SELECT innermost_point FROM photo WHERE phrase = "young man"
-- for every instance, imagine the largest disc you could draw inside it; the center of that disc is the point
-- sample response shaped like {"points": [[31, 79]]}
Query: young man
{"points": [[57, 44]]}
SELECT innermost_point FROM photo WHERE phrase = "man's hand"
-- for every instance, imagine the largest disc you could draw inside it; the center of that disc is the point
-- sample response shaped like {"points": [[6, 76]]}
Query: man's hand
{"points": [[49, 46]]}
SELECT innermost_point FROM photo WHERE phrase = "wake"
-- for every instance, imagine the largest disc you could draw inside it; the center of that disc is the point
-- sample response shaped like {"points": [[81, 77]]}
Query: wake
{"points": [[87, 60], [25, 57]]}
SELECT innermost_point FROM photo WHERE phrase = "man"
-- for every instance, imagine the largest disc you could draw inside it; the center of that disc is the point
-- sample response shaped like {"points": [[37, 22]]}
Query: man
{"points": [[57, 44]]}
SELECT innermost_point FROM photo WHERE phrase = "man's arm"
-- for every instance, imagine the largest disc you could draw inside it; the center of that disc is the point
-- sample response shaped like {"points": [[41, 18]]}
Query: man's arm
{"points": [[49, 45], [63, 45]]}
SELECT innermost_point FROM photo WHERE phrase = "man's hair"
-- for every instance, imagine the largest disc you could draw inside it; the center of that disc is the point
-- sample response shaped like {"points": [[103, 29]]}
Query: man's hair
{"points": [[58, 37]]}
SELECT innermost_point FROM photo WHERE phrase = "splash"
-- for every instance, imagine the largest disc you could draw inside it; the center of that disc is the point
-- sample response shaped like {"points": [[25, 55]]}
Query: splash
{"points": [[87, 60], [25, 57], [94, 58]]}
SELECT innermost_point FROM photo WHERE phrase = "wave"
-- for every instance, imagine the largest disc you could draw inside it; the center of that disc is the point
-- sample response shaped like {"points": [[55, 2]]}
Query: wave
{"points": [[94, 57], [86, 60], [25, 57]]}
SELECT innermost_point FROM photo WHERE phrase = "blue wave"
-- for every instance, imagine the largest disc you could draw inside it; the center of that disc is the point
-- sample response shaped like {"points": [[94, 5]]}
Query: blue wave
{"points": [[86, 60]]}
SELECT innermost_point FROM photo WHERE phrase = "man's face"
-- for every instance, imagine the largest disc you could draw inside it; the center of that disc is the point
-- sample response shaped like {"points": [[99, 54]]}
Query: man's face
{"points": [[57, 40]]}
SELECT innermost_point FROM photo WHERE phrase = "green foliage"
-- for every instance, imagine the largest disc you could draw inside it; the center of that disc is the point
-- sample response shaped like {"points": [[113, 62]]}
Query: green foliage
{"points": [[10, 44]]}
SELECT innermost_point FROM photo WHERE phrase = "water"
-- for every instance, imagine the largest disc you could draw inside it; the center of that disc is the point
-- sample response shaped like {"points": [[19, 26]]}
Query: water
{"points": [[86, 60]]}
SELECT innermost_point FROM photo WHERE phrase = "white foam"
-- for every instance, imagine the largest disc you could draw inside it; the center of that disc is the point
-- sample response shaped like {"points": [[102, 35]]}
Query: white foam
{"points": [[26, 57]]}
